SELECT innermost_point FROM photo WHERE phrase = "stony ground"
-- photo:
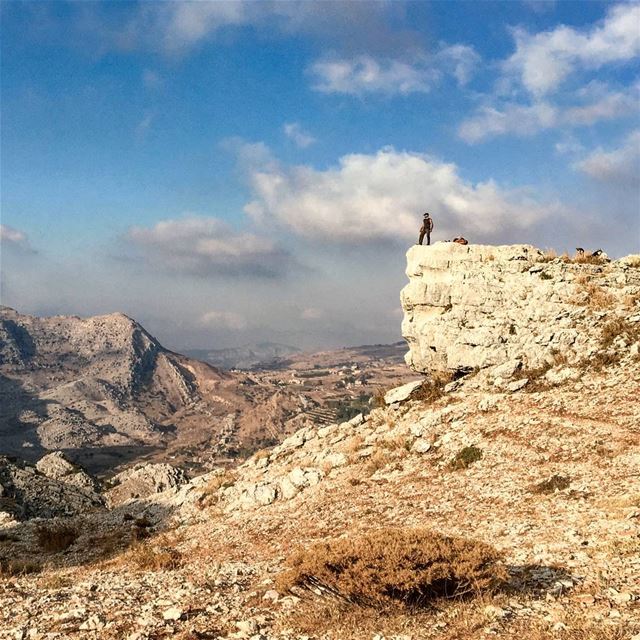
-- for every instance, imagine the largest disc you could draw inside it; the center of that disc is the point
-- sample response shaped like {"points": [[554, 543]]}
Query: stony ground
{"points": [[201, 562]]}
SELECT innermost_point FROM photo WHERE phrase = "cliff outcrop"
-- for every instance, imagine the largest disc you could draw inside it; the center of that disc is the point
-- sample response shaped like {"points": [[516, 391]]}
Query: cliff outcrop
{"points": [[477, 307]]}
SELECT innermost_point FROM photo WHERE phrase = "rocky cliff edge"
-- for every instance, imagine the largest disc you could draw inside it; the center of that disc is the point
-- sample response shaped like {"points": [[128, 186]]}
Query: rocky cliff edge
{"points": [[478, 306]]}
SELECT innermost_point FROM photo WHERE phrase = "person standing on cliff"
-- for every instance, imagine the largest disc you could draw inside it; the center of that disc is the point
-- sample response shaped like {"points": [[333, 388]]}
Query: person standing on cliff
{"points": [[426, 228]]}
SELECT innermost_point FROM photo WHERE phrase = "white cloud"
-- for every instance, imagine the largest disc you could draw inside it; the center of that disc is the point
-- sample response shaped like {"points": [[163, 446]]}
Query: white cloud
{"points": [[618, 167], [512, 118], [11, 237], [223, 320], [312, 313], [607, 106], [207, 246], [542, 61], [365, 74], [176, 28], [529, 119], [295, 132], [380, 197], [463, 58]]}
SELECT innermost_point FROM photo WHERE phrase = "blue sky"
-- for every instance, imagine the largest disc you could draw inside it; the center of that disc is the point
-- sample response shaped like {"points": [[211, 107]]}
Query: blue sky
{"points": [[228, 172]]}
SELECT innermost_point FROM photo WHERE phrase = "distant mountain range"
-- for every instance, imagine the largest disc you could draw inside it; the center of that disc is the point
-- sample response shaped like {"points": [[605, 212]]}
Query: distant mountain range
{"points": [[108, 393], [260, 355]]}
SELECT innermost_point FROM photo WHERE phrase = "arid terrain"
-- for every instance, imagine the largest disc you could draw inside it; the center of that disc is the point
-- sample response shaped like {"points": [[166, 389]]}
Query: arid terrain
{"points": [[497, 496], [107, 393]]}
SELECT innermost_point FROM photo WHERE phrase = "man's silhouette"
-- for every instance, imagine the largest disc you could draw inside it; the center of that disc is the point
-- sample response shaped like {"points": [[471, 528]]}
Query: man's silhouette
{"points": [[426, 228]]}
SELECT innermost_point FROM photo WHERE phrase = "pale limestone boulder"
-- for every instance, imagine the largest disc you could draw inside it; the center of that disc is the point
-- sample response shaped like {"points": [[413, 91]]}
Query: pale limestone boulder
{"points": [[144, 480], [400, 394]]}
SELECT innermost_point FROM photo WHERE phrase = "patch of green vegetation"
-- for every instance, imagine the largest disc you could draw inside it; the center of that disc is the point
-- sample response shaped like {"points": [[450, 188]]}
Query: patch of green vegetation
{"points": [[465, 457]]}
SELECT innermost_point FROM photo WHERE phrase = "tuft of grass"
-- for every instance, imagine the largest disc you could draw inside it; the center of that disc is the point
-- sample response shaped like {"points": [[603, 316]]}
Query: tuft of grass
{"points": [[395, 566], [54, 539], [432, 389], [593, 295], [619, 327], [210, 495], [377, 460], [548, 256], [545, 276], [377, 399], [465, 457], [10, 568], [152, 557], [552, 484]]}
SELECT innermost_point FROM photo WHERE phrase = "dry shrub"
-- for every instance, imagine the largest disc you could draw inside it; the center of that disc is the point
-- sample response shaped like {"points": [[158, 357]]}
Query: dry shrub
{"points": [[403, 566], [548, 256], [14, 567], [396, 443], [8, 537], [107, 544], [377, 460], [210, 492], [594, 296], [631, 301], [587, 258], [552, 484], [465, 457], [377, 399], [535, 375], [152, 557], [54, 539], [630, 331], [432, 389]]}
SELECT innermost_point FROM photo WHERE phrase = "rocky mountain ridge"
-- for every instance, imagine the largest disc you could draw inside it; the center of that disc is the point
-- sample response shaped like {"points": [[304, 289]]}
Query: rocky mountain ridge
{"points": [[106, 392]]}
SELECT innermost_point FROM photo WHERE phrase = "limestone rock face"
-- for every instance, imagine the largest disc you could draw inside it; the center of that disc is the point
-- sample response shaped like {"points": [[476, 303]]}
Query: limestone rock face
{"points": [[56, 466], [144, 480], [482, 306], [30, 492]]}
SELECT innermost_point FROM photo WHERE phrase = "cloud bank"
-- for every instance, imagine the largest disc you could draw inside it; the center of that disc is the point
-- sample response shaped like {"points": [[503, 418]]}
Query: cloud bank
{"points": [[206, 246], [379, 197], [543, 61], [415, 72], [619, 167]]}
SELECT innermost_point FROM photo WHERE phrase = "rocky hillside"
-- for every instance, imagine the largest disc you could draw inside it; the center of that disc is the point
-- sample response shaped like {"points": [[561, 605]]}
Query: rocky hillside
{"points": [[540, 462], [106, 392]]}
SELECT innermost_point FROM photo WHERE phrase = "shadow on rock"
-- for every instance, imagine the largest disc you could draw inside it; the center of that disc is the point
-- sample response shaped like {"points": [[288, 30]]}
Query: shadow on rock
{"points": [[30, 546]]}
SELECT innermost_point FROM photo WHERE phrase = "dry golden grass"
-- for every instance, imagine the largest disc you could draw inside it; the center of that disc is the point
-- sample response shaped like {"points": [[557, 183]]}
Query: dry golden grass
{"points": [[400, 566], [210, 495], [548, 256], [152, 557], [377, 399], [551, 485], [396, 443], [379, 459], [460, 620], [351, 445], [619, 327], [18, 567], [587, 258]]}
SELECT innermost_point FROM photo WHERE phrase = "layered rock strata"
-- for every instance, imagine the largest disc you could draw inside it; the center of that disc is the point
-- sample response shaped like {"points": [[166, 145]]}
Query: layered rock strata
{"points": [[478, 306]]}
